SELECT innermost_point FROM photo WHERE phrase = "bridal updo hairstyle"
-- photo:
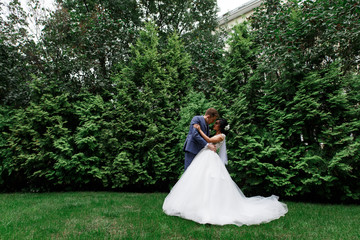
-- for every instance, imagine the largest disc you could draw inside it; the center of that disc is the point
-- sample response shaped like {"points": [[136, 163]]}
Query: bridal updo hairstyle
{"points": [[223, 124]]}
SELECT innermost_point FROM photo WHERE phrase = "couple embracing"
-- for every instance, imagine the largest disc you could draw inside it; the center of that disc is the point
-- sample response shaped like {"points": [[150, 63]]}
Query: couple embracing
{"points": [[205, 193]]}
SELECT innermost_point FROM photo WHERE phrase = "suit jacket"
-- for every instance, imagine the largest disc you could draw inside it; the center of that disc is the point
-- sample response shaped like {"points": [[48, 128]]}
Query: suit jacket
{"points": [[194, 142]]}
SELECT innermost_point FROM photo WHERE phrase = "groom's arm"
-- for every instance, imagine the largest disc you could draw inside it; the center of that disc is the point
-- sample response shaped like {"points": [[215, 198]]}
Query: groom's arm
{"points": [[194, 132]]}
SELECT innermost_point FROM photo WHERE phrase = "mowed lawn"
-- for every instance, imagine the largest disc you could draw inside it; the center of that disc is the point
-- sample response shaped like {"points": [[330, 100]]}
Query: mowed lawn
{"points": [[115, 215]]}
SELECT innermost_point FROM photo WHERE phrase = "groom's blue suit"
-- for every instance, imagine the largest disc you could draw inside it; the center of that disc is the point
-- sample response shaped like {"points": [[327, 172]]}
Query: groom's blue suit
{"points": [[194, 142]]}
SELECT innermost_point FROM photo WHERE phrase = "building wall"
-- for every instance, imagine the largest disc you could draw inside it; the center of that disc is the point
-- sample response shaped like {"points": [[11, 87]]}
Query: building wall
{"points": [[238, 15]]}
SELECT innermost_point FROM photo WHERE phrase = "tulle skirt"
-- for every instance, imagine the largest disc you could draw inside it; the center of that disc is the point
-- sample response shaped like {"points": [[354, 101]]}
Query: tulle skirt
{"points": [[205, 193]]}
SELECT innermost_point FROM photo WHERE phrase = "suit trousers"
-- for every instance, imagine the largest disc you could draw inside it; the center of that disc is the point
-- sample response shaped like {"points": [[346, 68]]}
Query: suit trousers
{"points": [[188, 159]]}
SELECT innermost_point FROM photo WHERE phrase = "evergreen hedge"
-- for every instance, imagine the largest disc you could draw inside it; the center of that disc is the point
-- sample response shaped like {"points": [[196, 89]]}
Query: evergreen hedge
{"points": [[292, 95], [290, 90]]}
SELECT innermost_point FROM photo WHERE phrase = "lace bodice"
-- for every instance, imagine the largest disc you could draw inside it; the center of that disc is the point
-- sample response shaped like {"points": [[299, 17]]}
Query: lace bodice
{"points": [[219, 144], [221, 147]]}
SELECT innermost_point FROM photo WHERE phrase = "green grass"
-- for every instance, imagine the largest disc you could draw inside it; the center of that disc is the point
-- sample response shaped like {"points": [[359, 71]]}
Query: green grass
{"points": [[111, 215]]}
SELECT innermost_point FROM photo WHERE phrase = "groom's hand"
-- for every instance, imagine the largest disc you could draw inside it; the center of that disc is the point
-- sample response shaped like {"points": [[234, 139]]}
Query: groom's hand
{"points": [[212, 147]]}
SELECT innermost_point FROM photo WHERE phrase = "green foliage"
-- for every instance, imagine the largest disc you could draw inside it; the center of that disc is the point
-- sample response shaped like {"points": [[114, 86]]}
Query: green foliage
{"points": [[81, 110], [38, 137], [14, 70], [82, 41], [150, 92], [195, 21], [79, 124], [5, 153], [305, 35], [122, 139], [293, 102]]}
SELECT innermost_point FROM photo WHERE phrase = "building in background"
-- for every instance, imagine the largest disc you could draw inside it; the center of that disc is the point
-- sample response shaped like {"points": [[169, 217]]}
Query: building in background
{"points": [[238, 15]]}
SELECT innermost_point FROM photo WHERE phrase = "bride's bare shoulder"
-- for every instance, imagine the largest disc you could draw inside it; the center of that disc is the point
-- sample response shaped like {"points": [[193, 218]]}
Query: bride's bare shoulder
{"points": [[219, 137]]}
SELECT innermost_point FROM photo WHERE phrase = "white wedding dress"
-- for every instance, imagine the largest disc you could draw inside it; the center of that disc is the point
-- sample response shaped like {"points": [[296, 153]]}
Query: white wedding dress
{"points": [[205, 193]]}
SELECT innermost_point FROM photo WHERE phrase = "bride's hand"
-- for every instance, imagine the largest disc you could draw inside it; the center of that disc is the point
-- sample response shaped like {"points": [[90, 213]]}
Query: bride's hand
{"points": [[197, 126]]}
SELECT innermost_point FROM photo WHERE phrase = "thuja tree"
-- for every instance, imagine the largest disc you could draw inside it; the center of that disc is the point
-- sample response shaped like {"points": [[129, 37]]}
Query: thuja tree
{"points": [[240, 90], [299, 107], [310, 82], [150, 91], [195, 21], [125, 139], [58, 142], [39, 136]]}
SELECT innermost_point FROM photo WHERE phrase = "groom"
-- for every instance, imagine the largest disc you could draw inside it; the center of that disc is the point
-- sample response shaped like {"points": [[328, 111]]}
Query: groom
{"points": [[194, 142]]}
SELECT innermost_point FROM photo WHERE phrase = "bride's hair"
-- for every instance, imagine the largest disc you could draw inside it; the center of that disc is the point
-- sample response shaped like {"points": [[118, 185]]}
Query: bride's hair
{"points": [[224, 126]]}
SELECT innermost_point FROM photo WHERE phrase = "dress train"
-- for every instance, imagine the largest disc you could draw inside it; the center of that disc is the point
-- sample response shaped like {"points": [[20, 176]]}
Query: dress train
{"points": [[205, 193]]}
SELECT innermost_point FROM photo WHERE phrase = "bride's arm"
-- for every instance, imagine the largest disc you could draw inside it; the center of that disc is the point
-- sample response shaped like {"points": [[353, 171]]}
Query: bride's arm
{"points": [[214, 139]]}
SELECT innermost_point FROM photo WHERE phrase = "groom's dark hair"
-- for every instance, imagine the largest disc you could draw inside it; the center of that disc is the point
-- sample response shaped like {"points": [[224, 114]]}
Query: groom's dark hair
{"points": [[212, 112]]}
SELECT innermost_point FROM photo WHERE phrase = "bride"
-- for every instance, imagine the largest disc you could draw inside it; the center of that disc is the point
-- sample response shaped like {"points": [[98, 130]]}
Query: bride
{"points": [[205, 193]]}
